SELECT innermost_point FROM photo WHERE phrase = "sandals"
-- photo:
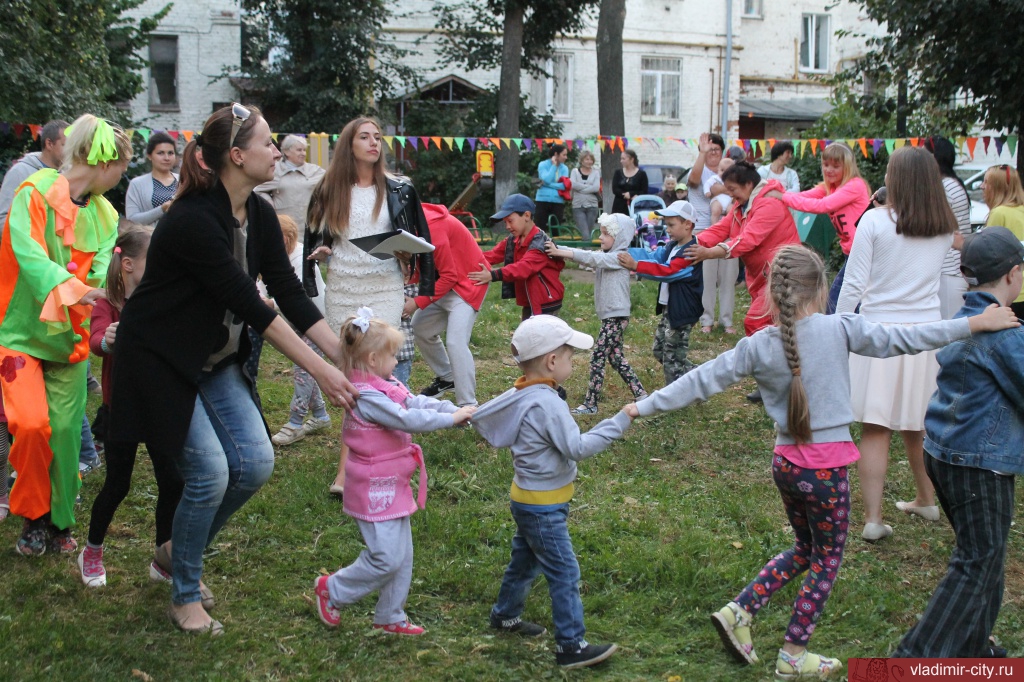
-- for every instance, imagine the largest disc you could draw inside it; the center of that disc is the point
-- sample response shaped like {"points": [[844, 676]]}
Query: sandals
{"points": [[806, 666], [733, 625], [160, 571]]}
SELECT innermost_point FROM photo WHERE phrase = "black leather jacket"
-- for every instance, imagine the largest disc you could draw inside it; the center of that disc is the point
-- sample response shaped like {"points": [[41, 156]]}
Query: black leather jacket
{"points": [[406, 213]]}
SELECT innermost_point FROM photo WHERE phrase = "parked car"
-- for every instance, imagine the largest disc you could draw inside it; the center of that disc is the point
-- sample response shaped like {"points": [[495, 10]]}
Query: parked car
{"points": [[656, 173], [973, 175]]}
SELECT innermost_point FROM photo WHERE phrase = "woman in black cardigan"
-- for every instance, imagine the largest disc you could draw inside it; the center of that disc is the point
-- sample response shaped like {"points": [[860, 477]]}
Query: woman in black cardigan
{"points": [[179, 382]]}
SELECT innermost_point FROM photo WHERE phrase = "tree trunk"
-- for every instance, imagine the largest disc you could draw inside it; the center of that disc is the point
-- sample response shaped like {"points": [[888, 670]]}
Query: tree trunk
{"points": [[611, 114], [507, 160]]}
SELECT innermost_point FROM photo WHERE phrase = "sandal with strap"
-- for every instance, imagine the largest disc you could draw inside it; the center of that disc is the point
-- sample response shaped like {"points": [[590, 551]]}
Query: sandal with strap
{"points": [[733, 625], [806, 666]]}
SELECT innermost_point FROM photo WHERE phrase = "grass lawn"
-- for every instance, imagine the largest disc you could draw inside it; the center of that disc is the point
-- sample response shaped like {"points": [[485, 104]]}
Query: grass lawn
{"points": [[668, 524]]}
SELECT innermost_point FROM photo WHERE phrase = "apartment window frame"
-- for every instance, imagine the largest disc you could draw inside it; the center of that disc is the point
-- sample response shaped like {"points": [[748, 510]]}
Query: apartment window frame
{"points": [[812, 27], [753, 9], [161, 47], [551, 86], [656, 73]]}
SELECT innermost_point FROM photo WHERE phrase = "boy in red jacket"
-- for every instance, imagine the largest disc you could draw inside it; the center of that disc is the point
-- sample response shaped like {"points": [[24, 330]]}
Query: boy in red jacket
{"points": [[527, 273]]}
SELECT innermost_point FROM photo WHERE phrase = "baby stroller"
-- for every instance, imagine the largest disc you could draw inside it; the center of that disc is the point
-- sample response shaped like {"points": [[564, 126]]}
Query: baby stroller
{"points": [[648, 232]]}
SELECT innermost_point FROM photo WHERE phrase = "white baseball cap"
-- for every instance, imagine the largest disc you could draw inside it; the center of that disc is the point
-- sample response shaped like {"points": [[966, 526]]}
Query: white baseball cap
{"points": [[679, 209], [542, 334]]}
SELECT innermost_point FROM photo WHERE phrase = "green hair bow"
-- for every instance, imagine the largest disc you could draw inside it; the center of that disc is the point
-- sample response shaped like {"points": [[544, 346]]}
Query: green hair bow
{"points": [[104, 144]]}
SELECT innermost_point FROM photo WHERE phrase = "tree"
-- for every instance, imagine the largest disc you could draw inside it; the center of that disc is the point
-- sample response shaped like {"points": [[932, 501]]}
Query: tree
{"points": [[610, 113], [63, 58], [948, 50], [512, 34], [317, 64]]}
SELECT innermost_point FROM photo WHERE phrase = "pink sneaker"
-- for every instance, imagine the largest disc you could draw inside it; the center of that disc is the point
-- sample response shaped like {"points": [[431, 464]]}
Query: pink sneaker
{"points": [[330, 615], [157, 574], [402, 628], [90, 564]]}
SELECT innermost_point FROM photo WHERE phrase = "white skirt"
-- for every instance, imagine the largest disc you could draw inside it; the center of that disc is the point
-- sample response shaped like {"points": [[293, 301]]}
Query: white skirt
{"points": [[893, 392]]}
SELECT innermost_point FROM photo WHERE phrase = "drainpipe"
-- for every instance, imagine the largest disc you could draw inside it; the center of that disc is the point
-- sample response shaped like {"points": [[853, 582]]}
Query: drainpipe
{"points": [[728, 64]]}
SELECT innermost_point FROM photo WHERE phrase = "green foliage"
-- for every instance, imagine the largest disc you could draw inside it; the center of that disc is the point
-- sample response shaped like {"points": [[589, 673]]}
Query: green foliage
{"points": [[944, 50], [440, 176], [335, 61], [471, 32], [68, 57]]}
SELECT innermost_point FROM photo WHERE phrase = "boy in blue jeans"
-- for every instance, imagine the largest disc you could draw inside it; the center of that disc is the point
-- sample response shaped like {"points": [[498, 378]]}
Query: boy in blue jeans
{"points": [[975, 445], [534, 422]]}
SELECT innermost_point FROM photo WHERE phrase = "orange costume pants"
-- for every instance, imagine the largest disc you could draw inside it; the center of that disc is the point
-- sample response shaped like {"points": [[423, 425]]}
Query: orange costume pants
{"points": [[45, 402]]}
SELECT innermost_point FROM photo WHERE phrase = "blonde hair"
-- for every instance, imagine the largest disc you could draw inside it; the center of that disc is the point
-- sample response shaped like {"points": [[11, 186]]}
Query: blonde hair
{"points": [[79, 139], [584, 154], [1002, 187], [356, 345], [289, 230], [797, 284], [837, 151], [331, 201]]}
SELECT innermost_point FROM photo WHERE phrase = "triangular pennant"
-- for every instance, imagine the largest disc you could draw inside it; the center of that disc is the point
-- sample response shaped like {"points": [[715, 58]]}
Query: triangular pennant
{"points": [[507, 142], [580, 143], [528, 143], [450, 141], [972, 142], [412, 140], [335, 136], [173, 133], [900, 142], [460, 142], [273, 136], [389, 140], [1011, 142], [425, 141], [436, 141], [34, 129], [401, 141], [999, 146], [496, 141], [890, 144], [518, 141], [960, 140], [985, 142], [144, 132], [863, 147], [19, 128], [771, 142], [876, 145], [914, 141], [472, 143], [568, 144], [799, 146], [188, 135], [814, 147], [5, 127]]}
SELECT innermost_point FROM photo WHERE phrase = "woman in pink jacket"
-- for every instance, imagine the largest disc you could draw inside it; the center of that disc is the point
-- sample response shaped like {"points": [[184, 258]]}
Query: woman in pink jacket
{"points": [[842, 194]]}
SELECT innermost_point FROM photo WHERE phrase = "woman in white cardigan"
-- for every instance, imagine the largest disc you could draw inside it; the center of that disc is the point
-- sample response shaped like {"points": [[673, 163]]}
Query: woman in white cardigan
{"points": [[586, 184], [149, 196], [294, 181]]}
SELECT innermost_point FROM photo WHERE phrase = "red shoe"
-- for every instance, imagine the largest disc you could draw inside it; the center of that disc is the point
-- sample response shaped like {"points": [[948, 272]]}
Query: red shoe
{"points": [[330, 615], [402, 628]]}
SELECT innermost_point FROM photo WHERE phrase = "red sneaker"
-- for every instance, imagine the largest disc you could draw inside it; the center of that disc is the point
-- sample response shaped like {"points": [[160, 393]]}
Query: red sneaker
{"points": [[330, 615], [402, 628], [90, 565]]}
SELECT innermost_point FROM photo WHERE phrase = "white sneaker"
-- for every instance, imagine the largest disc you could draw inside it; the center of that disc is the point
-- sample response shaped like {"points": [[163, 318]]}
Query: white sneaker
{"points": [[288, 435], [91, 567], [313, 425]]}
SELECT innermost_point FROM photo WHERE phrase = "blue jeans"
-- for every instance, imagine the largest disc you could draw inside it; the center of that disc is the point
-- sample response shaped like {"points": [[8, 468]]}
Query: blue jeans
{"points": [[542, 545], [403, 370], [227, 457], [87, 453]]}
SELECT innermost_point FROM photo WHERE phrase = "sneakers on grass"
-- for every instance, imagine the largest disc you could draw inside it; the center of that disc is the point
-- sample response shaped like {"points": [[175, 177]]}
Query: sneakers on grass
{"points": [[437, 387], [315, 425], [588, 655], [518, 626], [733, 625], [35, 538], [61, 541], [328, 613], [585, 409], [91, 465], [90, 566], [288, 434], [806, 666], [402, 628]]}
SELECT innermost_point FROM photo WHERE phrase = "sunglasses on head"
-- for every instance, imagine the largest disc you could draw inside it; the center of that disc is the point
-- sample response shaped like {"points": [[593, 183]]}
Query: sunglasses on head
{"points": [[240, 115]]}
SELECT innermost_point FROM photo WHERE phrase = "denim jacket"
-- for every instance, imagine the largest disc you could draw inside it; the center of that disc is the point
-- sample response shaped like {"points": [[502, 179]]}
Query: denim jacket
{"points": [[976, 417]]}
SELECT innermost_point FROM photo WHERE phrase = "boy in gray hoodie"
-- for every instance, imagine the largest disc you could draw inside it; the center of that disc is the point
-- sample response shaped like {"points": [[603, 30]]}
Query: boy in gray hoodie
{"points": [[611, 299], [546, 443]]}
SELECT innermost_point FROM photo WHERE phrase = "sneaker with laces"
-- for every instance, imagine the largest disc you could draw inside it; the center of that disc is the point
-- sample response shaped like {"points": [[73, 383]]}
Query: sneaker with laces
{"points": [[586, 656], [35, 538], [518, 626], [584, 409], [90, 566], [91, 465], [61, 541], [402, 628], [733, 625], [328, 613], [288, 434], [806, 666], [315, 425], [438, 387]]}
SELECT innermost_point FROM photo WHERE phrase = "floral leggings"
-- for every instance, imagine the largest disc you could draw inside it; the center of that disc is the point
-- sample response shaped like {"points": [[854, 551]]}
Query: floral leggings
{"points": [[818, 505], [609, 349]]}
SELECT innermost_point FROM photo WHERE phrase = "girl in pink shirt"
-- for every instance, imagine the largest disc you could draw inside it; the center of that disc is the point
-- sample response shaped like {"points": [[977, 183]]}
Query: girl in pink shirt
{"points": [[378, 474], [842, 194]]}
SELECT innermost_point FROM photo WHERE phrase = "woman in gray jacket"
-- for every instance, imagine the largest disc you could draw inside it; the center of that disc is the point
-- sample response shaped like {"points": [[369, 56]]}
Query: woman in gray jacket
{"points": [[586, 184], [149, 196]]}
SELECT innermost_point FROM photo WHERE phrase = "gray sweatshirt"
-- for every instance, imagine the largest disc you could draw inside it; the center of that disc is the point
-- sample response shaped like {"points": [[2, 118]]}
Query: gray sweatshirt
{"points": [[16, 175], [420, 414], [824, 343], [611, 280], [138, 202], [545, 441]]}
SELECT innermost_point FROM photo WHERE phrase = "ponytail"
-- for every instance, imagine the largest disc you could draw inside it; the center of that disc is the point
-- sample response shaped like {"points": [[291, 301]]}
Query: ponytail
{"points": [[206, 155], [132, 243]]}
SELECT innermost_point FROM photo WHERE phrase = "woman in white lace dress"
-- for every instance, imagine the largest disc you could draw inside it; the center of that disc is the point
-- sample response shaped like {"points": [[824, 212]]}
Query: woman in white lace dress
{"points": [[357, 198]]}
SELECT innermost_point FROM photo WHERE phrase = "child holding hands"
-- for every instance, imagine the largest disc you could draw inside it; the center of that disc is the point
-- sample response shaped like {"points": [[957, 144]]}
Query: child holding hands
{"points": [[803, 362], [611, 298], [382, 460], [534, 422]]}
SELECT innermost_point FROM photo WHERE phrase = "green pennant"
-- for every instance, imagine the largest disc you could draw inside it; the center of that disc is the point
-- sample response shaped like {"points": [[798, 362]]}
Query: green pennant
{"points": [[401, 140], [459, 142], [518, 141], [1011, 142], [144, 132], [890, 144]]}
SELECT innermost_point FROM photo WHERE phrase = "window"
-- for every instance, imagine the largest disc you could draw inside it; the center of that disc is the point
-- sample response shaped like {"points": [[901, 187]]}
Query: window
{"points": [[557, 88], [163, 73], [659, 84], [753, 8], [814, 43]]}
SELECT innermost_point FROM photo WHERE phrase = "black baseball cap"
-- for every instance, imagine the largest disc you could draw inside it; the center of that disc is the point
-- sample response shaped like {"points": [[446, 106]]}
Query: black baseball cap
{"points": [[988, 255]]}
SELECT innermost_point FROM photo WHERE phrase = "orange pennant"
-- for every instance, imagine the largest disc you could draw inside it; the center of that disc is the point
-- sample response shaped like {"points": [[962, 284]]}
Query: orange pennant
{"points": [[496, 142], [863, 147], [814, 147], [972, 142], [188, 135], [437, 141]]}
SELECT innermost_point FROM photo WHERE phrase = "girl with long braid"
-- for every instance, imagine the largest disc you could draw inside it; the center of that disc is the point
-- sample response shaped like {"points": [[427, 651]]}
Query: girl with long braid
{"points": [[804, 361]]}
